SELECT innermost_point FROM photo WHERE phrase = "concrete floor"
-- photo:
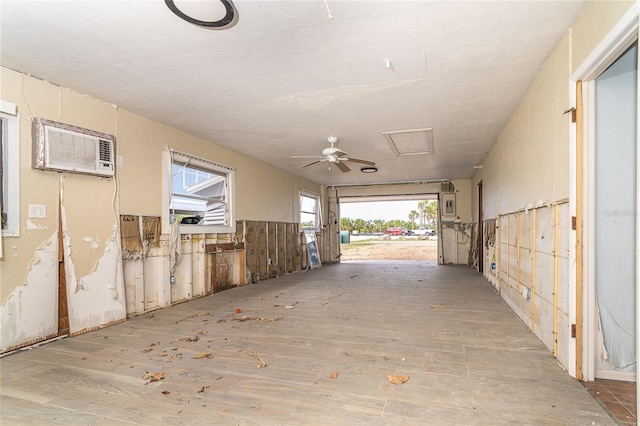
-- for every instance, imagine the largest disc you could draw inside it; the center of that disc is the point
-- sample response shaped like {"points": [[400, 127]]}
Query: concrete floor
{"points": [[265, 354]]}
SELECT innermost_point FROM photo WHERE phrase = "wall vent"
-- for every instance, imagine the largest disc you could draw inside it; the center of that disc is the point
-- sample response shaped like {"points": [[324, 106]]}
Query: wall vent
{"points": [[62, 147]]}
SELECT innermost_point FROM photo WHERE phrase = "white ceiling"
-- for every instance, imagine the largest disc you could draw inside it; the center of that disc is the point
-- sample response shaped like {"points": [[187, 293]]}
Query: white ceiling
{"points": [[286, 76]]}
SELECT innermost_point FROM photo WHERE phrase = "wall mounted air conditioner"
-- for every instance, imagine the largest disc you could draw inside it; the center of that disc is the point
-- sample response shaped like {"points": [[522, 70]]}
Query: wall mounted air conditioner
{"points": [[62, 147]]}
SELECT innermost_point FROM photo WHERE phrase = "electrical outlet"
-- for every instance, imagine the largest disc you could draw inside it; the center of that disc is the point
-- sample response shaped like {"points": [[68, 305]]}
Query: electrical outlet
{"points": [[37, 211]]}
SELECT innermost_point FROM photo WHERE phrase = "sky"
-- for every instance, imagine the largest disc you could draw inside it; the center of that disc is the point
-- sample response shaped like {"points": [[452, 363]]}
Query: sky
{"points": [[386, 210]]}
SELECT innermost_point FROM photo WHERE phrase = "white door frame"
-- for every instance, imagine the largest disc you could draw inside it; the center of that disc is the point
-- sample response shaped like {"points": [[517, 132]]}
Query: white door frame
{"points": [[621, 37]]}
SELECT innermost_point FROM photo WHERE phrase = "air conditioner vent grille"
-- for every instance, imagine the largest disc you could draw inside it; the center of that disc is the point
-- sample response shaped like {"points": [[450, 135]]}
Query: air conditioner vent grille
{"points": [[106, 150]]}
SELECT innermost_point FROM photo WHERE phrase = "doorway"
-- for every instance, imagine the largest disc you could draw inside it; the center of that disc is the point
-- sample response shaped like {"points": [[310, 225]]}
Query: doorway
{"points": [[610, 211], [614, 222], [480, 242], [389, 228]]}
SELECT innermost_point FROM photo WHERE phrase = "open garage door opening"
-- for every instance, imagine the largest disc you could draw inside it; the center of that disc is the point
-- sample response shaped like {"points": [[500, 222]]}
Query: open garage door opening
{"points": [[389, 228]]}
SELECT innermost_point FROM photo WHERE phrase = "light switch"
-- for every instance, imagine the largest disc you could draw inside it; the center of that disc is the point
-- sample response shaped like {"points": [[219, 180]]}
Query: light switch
{"points": [[37, 211]]}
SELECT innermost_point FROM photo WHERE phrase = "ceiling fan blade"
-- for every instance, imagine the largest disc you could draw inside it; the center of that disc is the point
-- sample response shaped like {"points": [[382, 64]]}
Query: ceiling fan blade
{"points": [[312, 163], [343, 167], [357, 160], [307, 156]]}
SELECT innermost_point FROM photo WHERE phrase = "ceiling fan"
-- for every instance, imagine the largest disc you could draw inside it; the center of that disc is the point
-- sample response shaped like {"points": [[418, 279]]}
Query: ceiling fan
{"points": [[334, 155]]}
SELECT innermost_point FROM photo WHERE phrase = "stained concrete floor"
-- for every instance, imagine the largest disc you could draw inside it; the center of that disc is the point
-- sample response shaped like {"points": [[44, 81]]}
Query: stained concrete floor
{"points": [[265, 354]]}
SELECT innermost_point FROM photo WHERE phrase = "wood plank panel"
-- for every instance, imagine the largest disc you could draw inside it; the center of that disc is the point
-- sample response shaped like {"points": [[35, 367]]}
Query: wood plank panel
{"points": [[251, 240], [272, 250], [453, 337], [281, 259]]}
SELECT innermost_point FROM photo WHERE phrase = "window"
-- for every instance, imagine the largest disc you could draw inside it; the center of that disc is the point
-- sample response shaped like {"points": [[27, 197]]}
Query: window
{"points": [[199, 196], [9, 169], [309, 211]]}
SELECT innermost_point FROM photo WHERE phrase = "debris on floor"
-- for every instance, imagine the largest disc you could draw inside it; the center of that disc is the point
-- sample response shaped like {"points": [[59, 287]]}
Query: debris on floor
{"points": [[261, 363], [262, 319], [333, 375], [204, 388], [200, 314], [437, 306], [201, 355], [238, 311], [153, 377], [325, 301], [397, 379], [291, 306]]}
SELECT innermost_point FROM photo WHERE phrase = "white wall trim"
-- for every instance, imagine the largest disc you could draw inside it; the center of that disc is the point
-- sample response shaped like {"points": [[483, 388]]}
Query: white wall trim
{"points": [[621, 37]]}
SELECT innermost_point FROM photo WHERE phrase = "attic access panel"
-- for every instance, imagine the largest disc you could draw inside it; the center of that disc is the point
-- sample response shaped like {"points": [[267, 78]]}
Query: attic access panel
{"points": [[410, 142]]}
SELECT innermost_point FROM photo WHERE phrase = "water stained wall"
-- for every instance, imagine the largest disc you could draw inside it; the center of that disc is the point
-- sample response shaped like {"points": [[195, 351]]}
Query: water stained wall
{"points": [[159, 272]]}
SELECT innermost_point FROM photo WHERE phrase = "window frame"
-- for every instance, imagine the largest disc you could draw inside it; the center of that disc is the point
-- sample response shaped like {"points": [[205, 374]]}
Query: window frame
{"points": [[318, 212], [171, 155], [11, 167]]}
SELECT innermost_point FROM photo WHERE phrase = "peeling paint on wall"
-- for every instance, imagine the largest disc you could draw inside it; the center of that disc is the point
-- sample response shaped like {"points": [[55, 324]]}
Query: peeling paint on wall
{"points": [[92, 244], [30, 313], [96, 299], [30, 225]]}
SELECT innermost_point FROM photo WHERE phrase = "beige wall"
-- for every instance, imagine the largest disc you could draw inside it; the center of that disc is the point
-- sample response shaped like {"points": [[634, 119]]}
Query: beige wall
{"points": [[529, 162], [526, 186], [91, 207]]}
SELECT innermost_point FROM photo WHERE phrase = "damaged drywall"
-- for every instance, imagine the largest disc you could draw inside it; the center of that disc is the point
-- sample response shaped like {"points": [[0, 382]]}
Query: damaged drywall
{"points": [[526, 259], [203, 263], [96, 298], [30, 313]]}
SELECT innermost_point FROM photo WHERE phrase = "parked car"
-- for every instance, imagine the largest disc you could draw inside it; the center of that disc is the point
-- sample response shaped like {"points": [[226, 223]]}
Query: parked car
{"points": [[397, 230], [425, 231]]}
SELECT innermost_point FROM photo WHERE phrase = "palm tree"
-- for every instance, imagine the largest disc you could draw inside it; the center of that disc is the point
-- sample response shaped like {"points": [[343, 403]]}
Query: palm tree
{"points": [[346, 224], [421, 207], [430, 212], [413, 215]]}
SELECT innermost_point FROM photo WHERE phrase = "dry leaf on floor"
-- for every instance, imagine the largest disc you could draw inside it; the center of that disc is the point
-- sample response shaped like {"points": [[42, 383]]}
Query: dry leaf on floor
{"points": [[333, 375], [291, 306], [262, 319], [165, 392], [437, 307], [144, 351], [204, 388], [153, 377], [397, 379], [173, 357], [261, 363], [202, 355]]}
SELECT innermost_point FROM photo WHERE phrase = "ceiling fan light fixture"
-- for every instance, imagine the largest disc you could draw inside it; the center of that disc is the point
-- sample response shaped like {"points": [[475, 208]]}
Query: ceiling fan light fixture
{"points": [[368, 169]]}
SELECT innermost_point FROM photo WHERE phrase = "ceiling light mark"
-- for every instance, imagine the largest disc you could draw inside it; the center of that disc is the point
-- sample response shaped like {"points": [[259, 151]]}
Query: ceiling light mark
{"points": [[318, 99], [229, 20]]}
